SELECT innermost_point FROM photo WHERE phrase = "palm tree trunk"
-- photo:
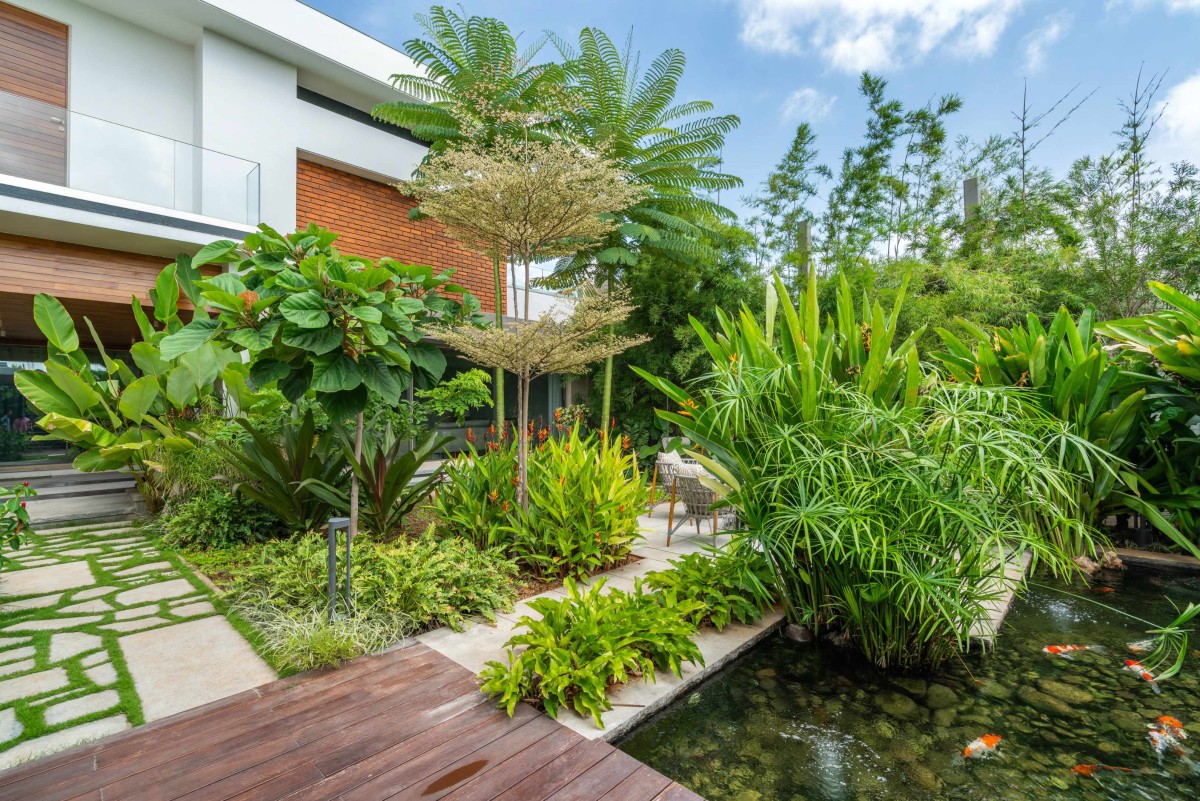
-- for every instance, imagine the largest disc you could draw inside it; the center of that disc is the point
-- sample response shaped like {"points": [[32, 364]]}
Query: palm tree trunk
{"points": [[358, 440], [498, 378], [606, 395]]}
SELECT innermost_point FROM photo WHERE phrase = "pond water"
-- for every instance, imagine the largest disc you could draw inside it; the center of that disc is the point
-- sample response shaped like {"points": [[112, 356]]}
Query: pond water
{"points": [[816, 723]]}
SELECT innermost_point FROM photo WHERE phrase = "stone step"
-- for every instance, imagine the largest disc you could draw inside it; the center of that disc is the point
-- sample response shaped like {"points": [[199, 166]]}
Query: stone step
{"points": [[120, 486]]}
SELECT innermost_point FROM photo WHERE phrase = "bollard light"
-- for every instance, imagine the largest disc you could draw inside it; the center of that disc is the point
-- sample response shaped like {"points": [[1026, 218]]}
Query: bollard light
{"points": [[335, 525]]}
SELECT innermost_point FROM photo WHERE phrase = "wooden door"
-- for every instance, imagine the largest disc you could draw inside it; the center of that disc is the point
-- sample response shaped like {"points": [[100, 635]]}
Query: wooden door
{"points": [[33, 96]]}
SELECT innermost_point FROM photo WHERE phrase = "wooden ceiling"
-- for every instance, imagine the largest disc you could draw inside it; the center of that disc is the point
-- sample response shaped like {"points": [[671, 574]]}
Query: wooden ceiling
{"points": [[114, 322]]}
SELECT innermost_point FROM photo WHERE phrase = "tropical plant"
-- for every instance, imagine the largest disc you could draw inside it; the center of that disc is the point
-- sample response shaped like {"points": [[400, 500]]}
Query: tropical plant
{"points": [[585, 495], [313, 318], [670, 148], [732, 583], [1171, 335], [215, 518], [387, 470], [307, 639], [291, 475], [417, 583], [13, 445], [589, 641], [14, 520], [115, 417], [458, 395], [551, 344], [858, 479], [477, 499]]}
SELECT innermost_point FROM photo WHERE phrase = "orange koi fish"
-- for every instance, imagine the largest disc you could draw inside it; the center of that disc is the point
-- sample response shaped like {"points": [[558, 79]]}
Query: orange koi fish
{"points": [[1162, 741], [1171, 726], [1091, 770], [1141, 672], [982, 747], [1065, 650]]}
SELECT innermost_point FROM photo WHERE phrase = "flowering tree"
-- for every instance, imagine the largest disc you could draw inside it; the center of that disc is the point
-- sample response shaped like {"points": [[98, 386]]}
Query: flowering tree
{"points": [[553, 343]]}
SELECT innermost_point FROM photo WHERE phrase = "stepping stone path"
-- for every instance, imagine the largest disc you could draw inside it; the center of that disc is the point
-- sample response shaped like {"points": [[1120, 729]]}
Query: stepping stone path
{"points": [[100, 631]]}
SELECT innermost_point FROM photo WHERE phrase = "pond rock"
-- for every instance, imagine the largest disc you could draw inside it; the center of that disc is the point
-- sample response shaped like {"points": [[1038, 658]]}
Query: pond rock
{"points": [[1045, 703], [940, 696], [911, 685], [944, 718], [1075, 696], [1127, 721], [994, 689], [925, 777], [898, 705]]}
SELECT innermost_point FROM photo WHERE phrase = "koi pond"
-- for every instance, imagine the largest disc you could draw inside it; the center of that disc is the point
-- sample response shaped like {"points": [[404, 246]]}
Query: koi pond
{"points": [[791, 722]]}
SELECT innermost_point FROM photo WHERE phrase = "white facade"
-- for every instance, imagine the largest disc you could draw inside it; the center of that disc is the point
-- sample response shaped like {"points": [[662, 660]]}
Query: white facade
{"points": [[184, 120]]}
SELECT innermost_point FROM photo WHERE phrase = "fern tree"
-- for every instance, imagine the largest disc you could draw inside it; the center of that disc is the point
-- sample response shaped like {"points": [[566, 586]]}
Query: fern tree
{"points": [[673, 149], [477, 87]]}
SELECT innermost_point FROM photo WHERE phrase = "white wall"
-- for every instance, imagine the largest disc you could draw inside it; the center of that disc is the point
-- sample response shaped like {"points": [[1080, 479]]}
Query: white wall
{"points": [[248, 109], [120, 72], [344, 140]]}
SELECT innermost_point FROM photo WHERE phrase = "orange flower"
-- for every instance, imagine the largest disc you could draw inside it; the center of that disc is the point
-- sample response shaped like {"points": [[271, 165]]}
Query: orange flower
{"points": [[493, 496], [978, 375], [249, 298], [471, 435], [626, 443], [492, 431]]}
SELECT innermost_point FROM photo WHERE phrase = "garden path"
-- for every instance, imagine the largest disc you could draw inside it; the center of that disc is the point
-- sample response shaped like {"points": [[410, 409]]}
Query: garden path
{"points": [[101, 631], [481, 641]]}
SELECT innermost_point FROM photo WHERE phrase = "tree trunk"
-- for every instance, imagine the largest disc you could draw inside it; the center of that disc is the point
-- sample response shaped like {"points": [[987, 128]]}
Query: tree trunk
{"points": [[526, 298], [522, 440], [358, 440], [606, 396], [498, 378]]}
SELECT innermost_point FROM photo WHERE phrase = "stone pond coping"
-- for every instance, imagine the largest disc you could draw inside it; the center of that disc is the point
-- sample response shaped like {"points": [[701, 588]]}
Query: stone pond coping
{"points": [[1171, 561], [633, 703]]}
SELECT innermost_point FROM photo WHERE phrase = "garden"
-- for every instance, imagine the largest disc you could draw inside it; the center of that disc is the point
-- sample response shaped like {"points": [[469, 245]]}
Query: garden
{"points": [[879, 455]]}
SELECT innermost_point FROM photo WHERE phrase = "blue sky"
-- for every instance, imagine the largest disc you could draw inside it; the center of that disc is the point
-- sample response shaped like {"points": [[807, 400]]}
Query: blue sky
{"points": [[775, 63]]}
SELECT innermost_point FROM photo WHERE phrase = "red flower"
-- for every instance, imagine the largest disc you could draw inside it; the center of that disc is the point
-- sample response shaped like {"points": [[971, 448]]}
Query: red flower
{"points": [[24, 483]]}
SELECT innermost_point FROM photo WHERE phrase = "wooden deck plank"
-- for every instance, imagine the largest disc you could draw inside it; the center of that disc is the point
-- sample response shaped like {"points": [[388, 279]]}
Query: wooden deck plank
{"points": [[405, 725]]}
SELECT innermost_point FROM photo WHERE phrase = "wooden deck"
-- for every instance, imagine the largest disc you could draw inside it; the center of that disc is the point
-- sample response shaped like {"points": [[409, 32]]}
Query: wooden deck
{"points": [[407, 724]]}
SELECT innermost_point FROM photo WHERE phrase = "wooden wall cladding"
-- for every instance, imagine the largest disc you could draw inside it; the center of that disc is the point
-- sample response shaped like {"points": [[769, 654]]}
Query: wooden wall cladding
{"points": [[33, 71]]}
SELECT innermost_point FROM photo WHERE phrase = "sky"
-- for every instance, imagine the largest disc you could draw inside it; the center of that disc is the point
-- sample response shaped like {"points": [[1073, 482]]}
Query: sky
{"points": [[776, 63]]}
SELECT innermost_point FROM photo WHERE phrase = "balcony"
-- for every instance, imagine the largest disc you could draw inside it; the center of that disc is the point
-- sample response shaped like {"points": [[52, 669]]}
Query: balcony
{"points": [[51, 145]]}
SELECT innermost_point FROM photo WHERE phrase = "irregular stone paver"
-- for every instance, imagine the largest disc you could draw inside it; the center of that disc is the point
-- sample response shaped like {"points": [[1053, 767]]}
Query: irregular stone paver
{"points": [[39, 580], [135, 625], [10, 727], [67, 645], [147, 568], [78, 707], [91, 660], [50, 743], [137, 611], [191, 610], [17, 653], [188, 664], [53, 624], [40, 602], [86, 606], [43, 681], [94, 592], [17, 667], [102, 674], [81, 552], [155, 592]]}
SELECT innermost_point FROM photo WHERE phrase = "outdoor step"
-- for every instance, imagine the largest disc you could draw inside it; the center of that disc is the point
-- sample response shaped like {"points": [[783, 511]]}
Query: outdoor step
{"points": [[112, 486]]}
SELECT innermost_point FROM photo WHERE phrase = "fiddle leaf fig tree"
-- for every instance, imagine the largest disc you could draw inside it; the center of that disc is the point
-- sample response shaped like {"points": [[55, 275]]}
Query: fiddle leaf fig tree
{"points": [[119, 418], [314, 319]]}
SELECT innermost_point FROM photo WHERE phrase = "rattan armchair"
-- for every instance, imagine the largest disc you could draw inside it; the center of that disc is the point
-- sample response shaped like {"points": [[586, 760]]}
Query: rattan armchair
{"points": [[698, 501]]}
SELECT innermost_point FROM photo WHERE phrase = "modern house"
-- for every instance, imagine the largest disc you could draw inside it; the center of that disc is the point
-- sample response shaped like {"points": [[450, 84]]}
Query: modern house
{"points": [[131, 131]]}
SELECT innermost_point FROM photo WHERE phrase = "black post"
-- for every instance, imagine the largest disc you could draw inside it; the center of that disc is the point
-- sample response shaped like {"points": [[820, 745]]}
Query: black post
{"points": [[337, 524]]}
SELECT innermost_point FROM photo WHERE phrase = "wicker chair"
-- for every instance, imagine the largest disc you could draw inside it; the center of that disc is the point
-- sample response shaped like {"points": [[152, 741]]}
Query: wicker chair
{"points": [[665, 466], [698, 501]]}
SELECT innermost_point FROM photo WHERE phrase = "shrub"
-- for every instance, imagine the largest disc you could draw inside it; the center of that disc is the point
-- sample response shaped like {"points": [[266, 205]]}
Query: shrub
{"points": [[731, 584], [217, 518], [306, 639], [585, 496], [458, 395], [419, 583], [13, 445], [14, 520], [584, 500], [589, 641]]}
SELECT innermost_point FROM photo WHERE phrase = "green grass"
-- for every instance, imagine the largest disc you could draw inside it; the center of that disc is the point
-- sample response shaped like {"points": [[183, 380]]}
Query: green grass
{"points": [[30, 711]]}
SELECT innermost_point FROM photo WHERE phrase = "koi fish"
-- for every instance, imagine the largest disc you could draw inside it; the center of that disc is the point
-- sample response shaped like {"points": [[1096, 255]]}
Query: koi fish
{"points": [[1091, 770], [1141, 672], [1141, 646], [1171, 726], [1065, 650], [1162, 741], [982, 747]]}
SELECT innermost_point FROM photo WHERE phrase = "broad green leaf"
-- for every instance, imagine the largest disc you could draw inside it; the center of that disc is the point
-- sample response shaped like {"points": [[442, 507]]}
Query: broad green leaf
{"points": [[40, 390], [341, 405], [266, 371], [224, 282], [255, 339], [148, 359], [166, 295], [182, 390], [55, 322], [138, 397], [379, 379], [306, 309], [335, 374], [368, 314], [189, 338], [66, 379], [221, 251], [314, 340]]}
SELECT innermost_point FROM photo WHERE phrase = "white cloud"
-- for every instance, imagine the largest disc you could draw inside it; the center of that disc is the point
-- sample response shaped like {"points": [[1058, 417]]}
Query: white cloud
{"points": [[1177, 136], [854, 35], [807, 104], [1172, 6], [1040, 40]]}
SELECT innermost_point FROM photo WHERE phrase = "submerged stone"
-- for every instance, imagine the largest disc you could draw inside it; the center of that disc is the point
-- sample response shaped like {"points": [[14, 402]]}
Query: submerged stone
{"points": [[1076, 696], [940, 697], [1045, 703], [898, 705]]}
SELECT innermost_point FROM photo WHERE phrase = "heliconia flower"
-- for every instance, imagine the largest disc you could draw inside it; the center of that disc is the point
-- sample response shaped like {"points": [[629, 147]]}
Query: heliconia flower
{"points": [[626, 443], [492, 430], [978, 375], [493, 496], [470, 435]]}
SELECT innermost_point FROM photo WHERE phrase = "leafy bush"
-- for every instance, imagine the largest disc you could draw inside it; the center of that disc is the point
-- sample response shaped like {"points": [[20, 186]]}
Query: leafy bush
{"points": [[290, 475], [217, 518], [589, 641], [306, 639], [584, 500], [14, 520], [417, 583], [13, 445], [731, 584], [458, 395]]}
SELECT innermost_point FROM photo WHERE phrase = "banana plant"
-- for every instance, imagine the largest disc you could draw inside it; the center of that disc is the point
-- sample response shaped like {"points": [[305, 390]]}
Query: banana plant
{"points": [[119, 415]]}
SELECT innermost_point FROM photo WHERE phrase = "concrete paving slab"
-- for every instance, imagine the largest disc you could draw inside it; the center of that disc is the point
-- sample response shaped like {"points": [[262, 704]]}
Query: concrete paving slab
{"points": [[155, 592], [69, 644], [102, 674], [54, 624], [191, 663], [50, 743], [41, 580], [78, 707], [44, 681]]}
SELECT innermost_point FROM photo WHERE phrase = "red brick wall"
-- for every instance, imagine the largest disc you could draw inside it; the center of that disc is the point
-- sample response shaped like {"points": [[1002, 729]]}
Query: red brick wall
{"points": [[372, 219]]}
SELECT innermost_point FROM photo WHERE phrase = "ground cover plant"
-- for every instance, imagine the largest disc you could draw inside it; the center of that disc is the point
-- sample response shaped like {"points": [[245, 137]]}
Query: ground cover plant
{"points": [[588, 642], [728, 584]]}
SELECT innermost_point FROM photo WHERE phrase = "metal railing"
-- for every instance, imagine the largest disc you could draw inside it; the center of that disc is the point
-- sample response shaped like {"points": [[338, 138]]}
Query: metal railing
{"points": [[54, 145]]}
